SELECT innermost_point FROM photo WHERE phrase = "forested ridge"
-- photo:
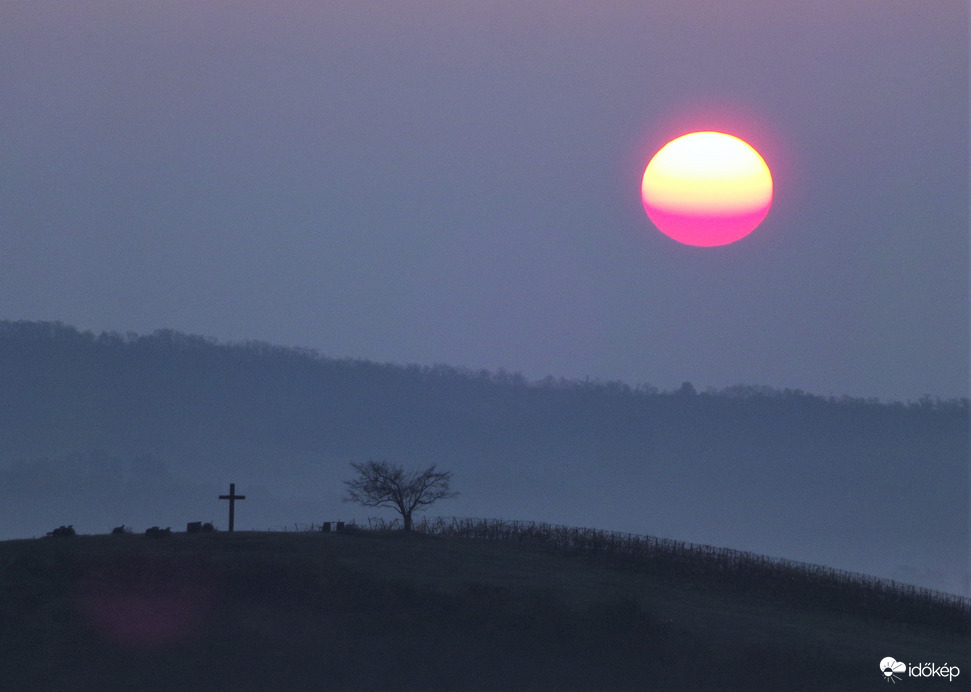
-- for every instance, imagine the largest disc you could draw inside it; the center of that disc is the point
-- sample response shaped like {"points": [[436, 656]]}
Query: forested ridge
{"points": [[157, 423]]}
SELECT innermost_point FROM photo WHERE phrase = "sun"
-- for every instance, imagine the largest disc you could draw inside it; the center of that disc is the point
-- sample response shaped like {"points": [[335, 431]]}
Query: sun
{"points": [[707, 189]]}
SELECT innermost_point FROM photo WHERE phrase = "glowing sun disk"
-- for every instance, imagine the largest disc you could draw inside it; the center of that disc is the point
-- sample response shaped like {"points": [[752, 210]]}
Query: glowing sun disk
{"points": [[707, 189]]}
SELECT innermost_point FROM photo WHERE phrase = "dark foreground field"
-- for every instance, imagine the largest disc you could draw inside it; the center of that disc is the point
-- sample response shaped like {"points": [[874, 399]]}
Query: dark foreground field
{"points": [[384, 611]]}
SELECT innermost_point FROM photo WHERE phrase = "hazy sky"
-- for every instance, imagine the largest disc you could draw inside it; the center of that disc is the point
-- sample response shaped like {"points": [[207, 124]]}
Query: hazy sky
{"points": [[441, 181]]}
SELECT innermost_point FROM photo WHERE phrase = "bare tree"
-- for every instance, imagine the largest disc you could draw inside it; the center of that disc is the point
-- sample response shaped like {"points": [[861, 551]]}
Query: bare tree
{"points": [[380, 484]]}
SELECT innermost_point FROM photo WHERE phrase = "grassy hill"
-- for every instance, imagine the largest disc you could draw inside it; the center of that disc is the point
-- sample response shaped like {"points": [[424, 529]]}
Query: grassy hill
{"points": [[378, 610]]}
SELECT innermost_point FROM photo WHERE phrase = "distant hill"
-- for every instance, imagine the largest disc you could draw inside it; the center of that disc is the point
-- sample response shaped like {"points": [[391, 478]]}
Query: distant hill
{"points": [[384, 611], [97, 430]]}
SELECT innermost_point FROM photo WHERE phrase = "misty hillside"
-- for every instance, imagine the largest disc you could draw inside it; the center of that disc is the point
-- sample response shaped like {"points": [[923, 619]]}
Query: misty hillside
{"points": [[100, 430]]}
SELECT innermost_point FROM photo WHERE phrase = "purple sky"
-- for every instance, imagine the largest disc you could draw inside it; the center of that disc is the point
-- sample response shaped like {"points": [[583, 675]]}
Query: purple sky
{"points": [[458, 182]]}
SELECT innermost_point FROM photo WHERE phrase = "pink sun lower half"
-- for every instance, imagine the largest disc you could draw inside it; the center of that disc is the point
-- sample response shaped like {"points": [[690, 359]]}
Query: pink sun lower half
{"points": [[706, 230], [707, 189]]}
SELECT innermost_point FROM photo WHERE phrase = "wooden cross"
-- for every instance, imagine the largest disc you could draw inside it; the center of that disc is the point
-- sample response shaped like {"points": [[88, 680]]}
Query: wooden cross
{"points": [[232, 497]]}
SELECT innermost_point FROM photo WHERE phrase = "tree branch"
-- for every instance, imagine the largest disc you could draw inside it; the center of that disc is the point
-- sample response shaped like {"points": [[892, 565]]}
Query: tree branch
{"points": [[380, 484]]}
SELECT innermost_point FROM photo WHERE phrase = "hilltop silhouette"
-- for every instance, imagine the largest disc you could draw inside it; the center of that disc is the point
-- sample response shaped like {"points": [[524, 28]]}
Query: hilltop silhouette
{"points": [[460, 610]]}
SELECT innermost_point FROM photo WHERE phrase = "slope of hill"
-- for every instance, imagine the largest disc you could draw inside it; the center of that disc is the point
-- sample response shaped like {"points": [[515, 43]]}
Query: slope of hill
{"points": [[100, 430], [385, 611]]}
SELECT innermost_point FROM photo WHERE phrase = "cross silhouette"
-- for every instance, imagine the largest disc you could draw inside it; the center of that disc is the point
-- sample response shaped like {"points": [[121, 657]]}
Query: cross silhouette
{"points": [[232, 497]]}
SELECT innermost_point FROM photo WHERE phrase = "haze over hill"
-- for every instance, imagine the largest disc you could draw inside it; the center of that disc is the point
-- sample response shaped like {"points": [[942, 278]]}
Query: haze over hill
{"points": [[99, 430]]}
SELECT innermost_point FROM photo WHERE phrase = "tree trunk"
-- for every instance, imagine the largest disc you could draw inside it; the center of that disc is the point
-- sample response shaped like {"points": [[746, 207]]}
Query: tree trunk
{"points": [[406, 516]]}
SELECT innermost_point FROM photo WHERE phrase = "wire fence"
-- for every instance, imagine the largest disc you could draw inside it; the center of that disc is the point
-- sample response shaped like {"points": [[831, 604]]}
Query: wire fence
{"points": [[696, 563]]}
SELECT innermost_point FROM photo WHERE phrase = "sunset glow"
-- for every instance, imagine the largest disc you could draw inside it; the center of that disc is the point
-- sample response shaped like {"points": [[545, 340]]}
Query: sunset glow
{"points": [[707, 189]]}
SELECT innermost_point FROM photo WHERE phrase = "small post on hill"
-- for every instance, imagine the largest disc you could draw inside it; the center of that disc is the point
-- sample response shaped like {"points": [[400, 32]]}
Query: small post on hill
{"points": [[232, 497]]}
